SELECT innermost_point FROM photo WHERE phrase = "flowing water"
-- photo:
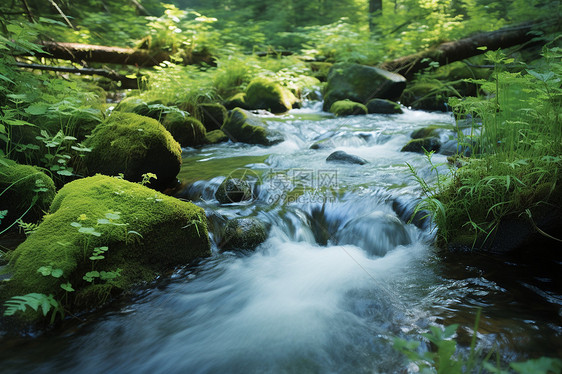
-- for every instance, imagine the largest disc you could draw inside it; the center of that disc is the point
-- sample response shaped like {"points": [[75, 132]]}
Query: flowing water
{"points": [[341, 274]]}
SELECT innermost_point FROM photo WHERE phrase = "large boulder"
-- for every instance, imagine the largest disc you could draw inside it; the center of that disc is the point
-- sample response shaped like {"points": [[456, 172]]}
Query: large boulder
{"points": [[243, 234], [26, 193], [133, 145], [347, 108], [236, 101], [243, 126], [186, 130], [361, 83], [264, 93], [212, 115], [215, 137], [102, 236]]}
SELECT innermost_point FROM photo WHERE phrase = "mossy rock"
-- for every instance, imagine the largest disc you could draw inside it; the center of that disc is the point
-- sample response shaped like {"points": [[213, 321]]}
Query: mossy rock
{"points": [[236, 101], [361, 83], [347, 108], [428, 131], [456, 74], [243, 234], [215, 137], [428, 95], [382, 106], [153, 109], [26, 191], [133, 145], [186, 130], [243, 126], [264, 93], [146, 234], [212, 115], [429, 144]]}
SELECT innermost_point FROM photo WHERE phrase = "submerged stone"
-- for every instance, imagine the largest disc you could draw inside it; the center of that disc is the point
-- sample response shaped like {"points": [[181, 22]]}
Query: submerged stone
{"points": [[243, 234], [346, 158], [234, 190]]}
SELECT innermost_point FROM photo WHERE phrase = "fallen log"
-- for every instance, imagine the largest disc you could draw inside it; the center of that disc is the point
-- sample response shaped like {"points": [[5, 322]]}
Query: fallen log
{"points": [[461, 49], [126, 82], [98, 53]]}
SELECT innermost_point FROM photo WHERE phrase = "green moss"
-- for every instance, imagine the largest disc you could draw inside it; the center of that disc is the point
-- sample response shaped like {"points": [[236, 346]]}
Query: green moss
{"points": [[236, 101], [242, 126], [215, 137], [133, 145], [26, 193], [347, 108], [426, 132], [134, 104], [188, 131], [167, 233], [264, 93], [212, 115], [243, 234], [383, 106]]}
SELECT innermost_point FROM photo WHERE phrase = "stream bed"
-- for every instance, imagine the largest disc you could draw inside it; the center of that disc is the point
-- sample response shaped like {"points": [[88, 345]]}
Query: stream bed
{"points": [[341, 274]]}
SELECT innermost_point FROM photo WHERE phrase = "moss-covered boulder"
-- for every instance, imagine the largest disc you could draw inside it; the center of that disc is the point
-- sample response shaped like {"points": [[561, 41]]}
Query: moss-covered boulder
{"points": [[26, 193], [382, 106], [243, 234], [361, 83], [236, 101], [429, 144], [243, 126], [320, 70], [428, 131], [186, 130], [347, 108], [102, 236], [133, 145], [264, 93], [212, 115], [215, 137]]}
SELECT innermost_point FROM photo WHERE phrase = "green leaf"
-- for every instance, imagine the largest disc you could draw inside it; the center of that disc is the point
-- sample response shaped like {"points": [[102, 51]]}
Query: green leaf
{"points": [[57, 273], [45, 270], [37, 109], [113, 216], [89, 231], [538, 366], [67, 287]]}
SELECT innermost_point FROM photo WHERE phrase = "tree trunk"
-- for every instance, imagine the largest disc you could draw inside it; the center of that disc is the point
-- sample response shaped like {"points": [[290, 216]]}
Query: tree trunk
{"points": [[375, 6], [446, 53]]}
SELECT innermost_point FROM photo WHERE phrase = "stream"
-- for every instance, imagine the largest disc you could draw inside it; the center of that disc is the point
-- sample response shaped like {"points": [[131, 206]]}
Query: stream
{"points": [[341, 274]]}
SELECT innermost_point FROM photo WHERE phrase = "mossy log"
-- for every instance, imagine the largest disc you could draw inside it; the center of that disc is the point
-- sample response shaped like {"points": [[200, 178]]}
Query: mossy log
{"points": [[448, 52]]}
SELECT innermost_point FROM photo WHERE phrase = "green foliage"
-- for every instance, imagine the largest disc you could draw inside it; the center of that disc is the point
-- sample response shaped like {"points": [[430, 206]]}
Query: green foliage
{"points": [[34, 301]]}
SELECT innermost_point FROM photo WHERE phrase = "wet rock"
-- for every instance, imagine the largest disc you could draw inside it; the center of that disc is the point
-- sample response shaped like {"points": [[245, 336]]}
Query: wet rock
{"points": [[234, 190], [347, 108], [346, 158], [422, 145], [426, 132], [243, 234], [243, 126], [382, 106], [452, 147], [133, 145], [360, 83], [427, 96]]}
